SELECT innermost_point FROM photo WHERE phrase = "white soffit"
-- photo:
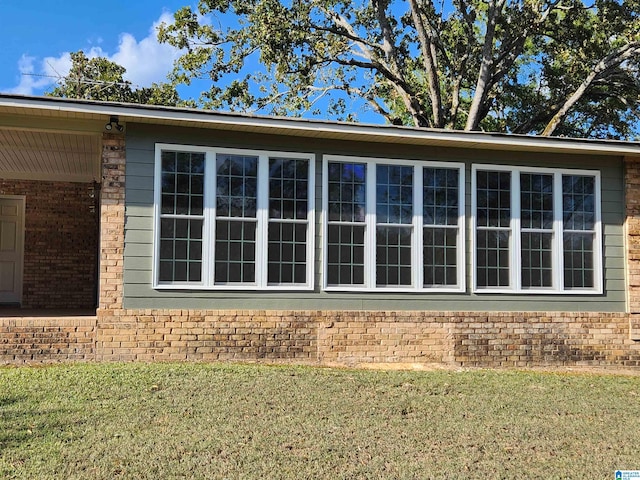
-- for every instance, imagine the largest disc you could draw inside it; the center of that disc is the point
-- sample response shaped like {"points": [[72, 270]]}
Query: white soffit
{"points": [[39, 155]]}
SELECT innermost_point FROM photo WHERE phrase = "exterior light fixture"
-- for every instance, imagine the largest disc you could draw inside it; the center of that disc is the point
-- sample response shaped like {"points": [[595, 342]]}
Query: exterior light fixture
{"points": [[114, 123]]}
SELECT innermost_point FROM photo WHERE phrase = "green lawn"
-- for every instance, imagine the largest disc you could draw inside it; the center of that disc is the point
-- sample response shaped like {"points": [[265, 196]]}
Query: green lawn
{"points": [[162, 421]]}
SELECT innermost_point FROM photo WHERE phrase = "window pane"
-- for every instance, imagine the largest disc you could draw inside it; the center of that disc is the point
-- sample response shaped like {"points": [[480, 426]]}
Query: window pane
{"points": [[347, 193], [235, 251], [578, 202], [578, 260], [536, 200], [440, 196], [288, 188], [537, 259], [287, 253], [393, 256], [492, 258], [493, 199], [180, 250], [394, 194], [236, 186], [345, 255], [440, 256], [182, 183]]}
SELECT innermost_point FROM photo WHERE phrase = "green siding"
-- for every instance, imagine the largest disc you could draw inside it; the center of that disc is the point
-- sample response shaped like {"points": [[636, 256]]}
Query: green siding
{"points": [[141, 140]]}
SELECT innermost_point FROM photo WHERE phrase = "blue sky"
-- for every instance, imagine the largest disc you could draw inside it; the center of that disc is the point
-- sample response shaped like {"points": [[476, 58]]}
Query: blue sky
{"points": [[37, 36]]}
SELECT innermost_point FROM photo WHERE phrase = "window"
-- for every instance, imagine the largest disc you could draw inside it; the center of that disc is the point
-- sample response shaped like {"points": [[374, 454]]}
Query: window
{"points": [[536, 230], [392, 224], [233, 219]]}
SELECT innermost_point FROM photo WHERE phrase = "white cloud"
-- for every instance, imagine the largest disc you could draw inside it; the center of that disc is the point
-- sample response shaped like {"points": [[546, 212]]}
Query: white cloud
{"points": [[146, 61], [45, 76]]}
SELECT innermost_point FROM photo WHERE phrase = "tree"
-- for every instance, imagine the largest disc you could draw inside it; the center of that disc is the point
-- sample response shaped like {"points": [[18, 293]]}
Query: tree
{"points": [[101, 79], [525, 66]]}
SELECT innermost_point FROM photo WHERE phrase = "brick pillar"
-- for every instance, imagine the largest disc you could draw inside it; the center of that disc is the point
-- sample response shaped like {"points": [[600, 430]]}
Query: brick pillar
{"points": [[112, 222], [632, 242]]}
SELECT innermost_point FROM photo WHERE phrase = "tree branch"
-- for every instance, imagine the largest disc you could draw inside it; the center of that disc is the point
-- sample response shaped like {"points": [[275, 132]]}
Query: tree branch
{"points": [[614, 59]]}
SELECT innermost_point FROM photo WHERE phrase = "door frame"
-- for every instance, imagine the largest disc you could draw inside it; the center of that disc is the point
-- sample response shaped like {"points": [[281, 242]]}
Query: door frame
{"points": [[21, 237]]}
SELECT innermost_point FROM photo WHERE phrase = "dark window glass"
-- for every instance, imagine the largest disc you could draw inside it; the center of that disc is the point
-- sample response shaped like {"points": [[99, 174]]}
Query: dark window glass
{"points": [[345, 251], [492, 258]]}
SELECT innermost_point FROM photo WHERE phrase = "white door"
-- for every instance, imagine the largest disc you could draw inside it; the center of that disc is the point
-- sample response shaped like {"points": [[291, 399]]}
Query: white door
{"points": [[11, 248]]}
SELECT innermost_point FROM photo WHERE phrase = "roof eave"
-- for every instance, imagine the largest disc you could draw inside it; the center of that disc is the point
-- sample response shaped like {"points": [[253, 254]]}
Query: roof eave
{"points": [[318, 128]]}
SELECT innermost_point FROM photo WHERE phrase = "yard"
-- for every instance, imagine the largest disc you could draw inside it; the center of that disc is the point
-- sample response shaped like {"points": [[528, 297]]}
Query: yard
{"points": [[163, 421]]}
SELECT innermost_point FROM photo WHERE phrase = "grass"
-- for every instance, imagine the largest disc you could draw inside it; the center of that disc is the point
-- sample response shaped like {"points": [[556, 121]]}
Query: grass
{"points": [[163, 421]]}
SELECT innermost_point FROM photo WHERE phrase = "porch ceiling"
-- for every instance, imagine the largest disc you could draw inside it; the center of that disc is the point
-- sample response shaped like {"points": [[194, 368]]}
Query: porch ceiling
{"points": [[49, 155]]}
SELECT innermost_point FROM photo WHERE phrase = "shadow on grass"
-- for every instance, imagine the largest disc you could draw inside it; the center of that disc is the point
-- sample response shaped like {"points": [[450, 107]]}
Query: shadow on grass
{"points": [[21, 423], [10, 401]]}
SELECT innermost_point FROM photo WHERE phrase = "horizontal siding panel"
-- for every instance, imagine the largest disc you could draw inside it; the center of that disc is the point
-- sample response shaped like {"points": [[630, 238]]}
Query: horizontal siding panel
{"points": [[139, 236], [140, 183], [614, 285], [229, 300], [246, 302], [611, 211], [139, 170], [139, 210], [137, 250], [613, 240], [132, 276], [615, 274], [139, 264], [139, 197], [139, 223], [613, 251]]}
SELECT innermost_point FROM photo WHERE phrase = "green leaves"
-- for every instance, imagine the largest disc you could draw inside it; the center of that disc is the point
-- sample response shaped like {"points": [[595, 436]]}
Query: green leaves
{"points": [[101, 79], [522, 66]]}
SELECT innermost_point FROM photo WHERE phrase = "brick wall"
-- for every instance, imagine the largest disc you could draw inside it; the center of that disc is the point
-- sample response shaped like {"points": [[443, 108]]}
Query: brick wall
{"points": [[206, 335], [632, 233], [513, 339], [47, 339], [112, 221], [61, 243]]}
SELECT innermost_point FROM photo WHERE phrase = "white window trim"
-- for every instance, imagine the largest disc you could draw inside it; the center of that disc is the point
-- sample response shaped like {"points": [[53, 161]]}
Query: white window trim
{"points": [[514, 246], [262, 218], [417, 224]]}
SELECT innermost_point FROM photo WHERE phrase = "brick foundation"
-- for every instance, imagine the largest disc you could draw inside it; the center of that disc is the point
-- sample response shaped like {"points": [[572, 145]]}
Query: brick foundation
{"points": [[206, 335], [478, 339], [457, 338], [61, 243], [48, 339]]}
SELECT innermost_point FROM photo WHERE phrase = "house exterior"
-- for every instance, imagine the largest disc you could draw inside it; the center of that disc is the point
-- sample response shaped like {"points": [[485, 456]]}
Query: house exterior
{"points": [[134, 232]]}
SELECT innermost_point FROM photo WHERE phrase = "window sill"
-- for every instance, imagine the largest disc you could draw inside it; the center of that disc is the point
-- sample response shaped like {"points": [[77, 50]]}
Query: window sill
{"points": [[431, 290], [237, 288], [501, 291]]}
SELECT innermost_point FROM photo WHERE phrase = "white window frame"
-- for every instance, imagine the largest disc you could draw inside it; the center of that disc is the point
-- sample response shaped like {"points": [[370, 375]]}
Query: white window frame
{"points": [[262, 219], [417, 224], [515, 260]]}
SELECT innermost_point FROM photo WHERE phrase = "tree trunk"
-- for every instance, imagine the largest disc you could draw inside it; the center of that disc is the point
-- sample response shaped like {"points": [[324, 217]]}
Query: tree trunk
{"points": [[480, 95]]}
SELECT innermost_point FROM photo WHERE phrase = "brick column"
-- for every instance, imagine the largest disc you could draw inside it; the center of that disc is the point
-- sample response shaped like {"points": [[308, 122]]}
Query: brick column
{"points": [[632, 242], [112, 222]]}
